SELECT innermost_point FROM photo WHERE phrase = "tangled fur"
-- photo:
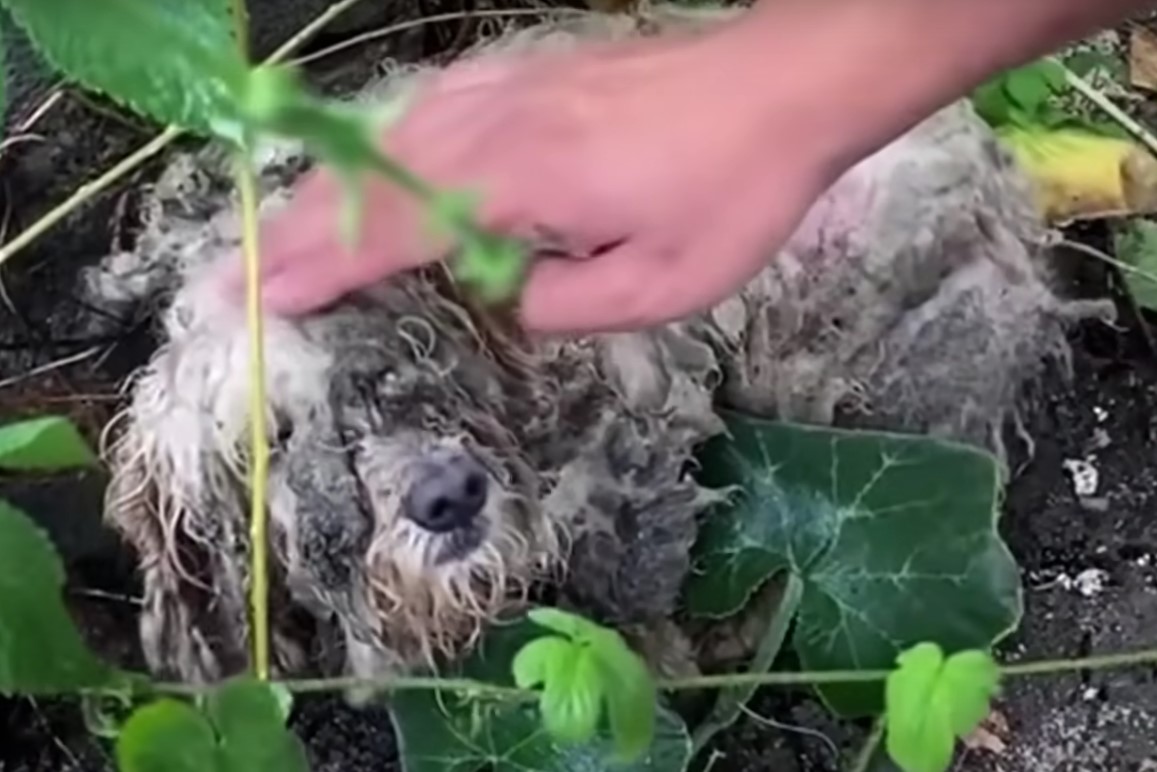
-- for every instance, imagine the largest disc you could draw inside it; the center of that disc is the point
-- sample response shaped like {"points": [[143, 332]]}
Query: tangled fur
{"points": [[913, 298]]}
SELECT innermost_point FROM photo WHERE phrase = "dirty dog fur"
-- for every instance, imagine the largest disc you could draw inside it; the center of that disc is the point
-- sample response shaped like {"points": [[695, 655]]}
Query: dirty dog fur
{"points": [[430, 467]]}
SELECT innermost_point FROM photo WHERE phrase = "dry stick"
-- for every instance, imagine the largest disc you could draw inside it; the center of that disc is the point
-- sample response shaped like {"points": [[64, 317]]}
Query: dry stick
{"points": [[394, 29], [1105, 104], [130, 162]]}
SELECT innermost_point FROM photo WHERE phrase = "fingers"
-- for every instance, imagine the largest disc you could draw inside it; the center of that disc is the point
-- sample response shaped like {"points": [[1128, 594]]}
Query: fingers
{"points": [[647, 283]]}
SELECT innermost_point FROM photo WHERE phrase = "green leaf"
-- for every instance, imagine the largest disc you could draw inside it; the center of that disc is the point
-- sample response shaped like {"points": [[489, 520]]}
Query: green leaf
{"points": [[931, 701], [1032, 86], [629, 687], [447, 732], [534, 663], [1135, 244], [572, 697], [49, 443], [173, 60], [166, 736], [41, 651], [250, 723], [893, 536]]}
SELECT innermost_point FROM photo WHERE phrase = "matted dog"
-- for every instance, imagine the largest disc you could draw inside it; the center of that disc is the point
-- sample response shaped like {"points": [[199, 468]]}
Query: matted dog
{"points": [[430, 466]]}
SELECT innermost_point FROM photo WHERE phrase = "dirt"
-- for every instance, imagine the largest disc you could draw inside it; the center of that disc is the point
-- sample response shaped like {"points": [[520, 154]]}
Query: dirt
{"points": [[1089, 563]]}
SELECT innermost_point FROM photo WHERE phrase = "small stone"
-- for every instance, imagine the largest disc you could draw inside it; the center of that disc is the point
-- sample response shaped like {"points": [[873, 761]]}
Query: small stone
{"points": [[1084, 475]]}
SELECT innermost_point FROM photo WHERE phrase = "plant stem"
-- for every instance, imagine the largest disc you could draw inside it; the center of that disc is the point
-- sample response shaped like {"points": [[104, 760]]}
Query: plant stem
{"points": [[1096, 662], [259, 446], [403, 684], [87, 191], [1106, 105], [419, 683], [240, 16], [130, 162], [259, 467], [864, 758]]}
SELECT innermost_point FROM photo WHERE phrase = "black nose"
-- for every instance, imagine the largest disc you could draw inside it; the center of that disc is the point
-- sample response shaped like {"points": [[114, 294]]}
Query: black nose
{"points": [[448, 493]]}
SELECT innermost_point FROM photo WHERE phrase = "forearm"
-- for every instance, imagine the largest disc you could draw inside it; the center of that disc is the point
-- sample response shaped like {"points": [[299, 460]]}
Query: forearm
{"points": [[886, 64]]}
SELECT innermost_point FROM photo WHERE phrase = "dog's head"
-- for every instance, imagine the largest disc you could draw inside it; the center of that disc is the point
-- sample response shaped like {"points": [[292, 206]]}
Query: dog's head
{"points": [[401, 500]]}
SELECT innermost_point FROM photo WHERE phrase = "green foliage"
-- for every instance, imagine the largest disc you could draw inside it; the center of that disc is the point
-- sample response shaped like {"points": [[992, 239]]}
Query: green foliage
{"points": [[50, 443], [1032, 97], [203, 85], [1135, 244], [581, 667], [41, 651], [112, 47], [241, 728], [893, 537], [932, 700], [444, 732]]}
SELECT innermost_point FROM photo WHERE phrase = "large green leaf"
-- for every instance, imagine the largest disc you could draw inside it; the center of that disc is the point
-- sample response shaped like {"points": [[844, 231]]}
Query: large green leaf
{"points": [[242, 729], [893, 536], [166, 736], [48, 443], [250, 723], [172, 60], [449, 733], [41, 651]]}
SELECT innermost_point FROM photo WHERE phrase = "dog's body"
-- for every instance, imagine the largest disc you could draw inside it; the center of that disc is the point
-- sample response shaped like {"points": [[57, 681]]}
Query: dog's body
{"points": [[428, 467]]}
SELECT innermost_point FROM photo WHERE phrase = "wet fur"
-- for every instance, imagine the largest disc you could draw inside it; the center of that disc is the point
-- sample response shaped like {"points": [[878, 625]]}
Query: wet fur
{"points": [[914, 298]]}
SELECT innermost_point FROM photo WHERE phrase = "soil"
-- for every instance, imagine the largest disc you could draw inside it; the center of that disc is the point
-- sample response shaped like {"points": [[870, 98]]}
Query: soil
{"points": [[1089, 563]]}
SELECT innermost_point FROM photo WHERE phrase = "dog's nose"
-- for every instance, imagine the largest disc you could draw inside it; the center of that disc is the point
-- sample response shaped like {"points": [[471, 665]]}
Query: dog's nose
{"points": [[449, 492]]}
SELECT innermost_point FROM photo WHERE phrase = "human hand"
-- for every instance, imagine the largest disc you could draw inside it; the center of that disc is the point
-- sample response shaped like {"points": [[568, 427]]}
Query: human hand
{"points": [[669, 176]]}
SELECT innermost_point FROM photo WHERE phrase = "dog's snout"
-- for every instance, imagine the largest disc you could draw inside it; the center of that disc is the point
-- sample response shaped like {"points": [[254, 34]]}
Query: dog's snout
{"points": [[449, 492]]}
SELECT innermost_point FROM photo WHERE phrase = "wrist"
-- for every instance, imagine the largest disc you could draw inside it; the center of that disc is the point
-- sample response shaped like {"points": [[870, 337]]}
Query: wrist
{"points": [[868, 70]]}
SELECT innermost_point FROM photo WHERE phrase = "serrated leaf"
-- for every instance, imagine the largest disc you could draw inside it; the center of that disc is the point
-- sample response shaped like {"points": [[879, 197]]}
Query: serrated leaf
{"points": [[893, 536], [251, 729], [41, 651], [48, 443], [174, 61], [1135, 244], [446, 733], [931, 701], [166, 736]]}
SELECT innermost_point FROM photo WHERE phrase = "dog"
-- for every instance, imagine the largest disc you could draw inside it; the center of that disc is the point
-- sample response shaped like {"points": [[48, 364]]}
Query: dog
{"points": [[431, 469]]}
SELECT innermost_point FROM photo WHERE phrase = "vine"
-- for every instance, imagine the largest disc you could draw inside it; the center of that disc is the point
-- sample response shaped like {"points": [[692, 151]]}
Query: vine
{"points": [[590, 693]]}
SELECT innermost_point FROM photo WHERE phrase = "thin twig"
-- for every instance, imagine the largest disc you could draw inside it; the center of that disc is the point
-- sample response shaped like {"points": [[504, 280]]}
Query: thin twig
{"points": [[394, 29], [47, 368], [864, 758], [1106, 105], [1097, 254], [781, 726]]}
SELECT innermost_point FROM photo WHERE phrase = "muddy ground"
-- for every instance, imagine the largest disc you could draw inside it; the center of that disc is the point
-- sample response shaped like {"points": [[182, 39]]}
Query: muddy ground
{"points": [[1089, 563]]}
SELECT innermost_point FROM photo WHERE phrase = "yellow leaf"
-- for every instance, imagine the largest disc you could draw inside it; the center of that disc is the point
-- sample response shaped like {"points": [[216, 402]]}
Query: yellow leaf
{"points": [[1082, 176]]}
